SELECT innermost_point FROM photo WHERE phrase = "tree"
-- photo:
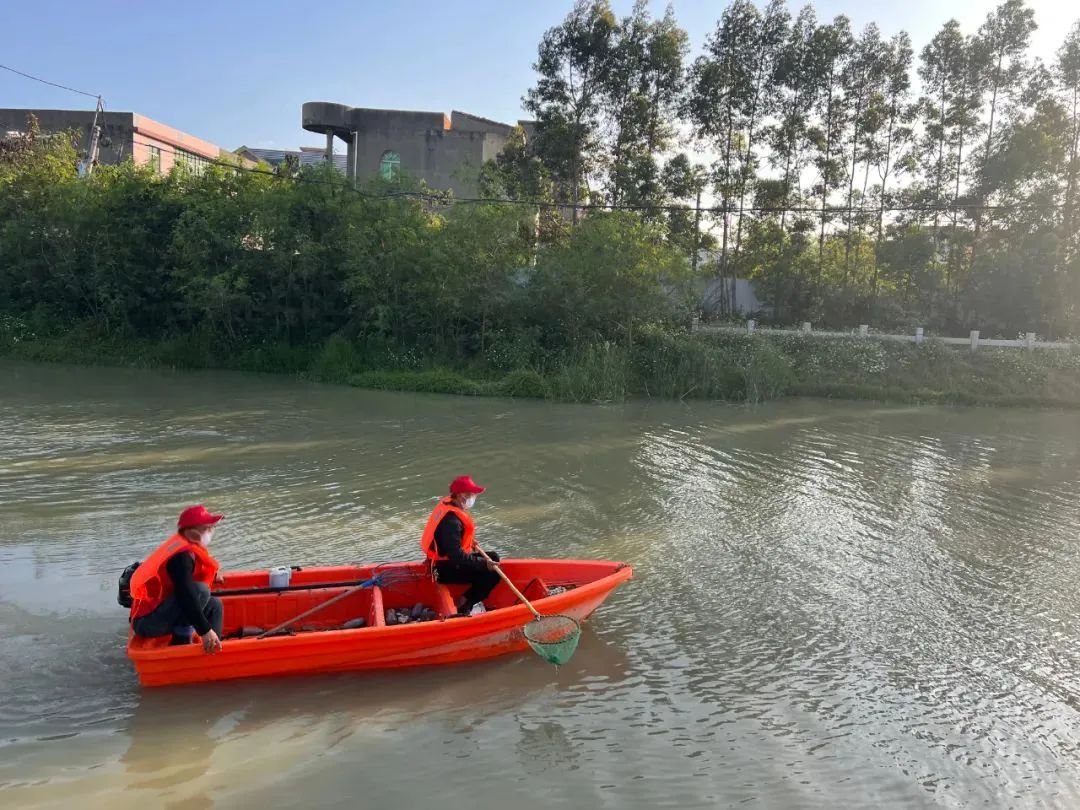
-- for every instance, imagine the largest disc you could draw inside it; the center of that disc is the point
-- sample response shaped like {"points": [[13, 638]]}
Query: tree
{"points": [[517, 173], [891, 107], [797, 86], [730, 93], [605, 282], [863, 76], [1068, 77], [721, 81], [574, 64], [762, 100], [832, 47], [951, 67], [1002, 43], [684, 180], [642, 92]]}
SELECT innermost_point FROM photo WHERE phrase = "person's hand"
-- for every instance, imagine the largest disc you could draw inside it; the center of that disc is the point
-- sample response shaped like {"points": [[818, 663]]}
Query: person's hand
{"points": [[211, 643], [219, 579], [492, 565]]}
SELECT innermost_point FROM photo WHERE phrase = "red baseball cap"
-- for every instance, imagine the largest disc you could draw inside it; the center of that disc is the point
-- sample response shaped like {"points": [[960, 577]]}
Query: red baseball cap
{"points": [[196, 516], [463, 484]]}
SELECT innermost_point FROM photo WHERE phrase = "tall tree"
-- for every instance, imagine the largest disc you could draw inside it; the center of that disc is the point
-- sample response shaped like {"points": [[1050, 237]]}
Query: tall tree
{"points": [[730, 94], [950, 71], [1068, 78], [863, 77], [772, 31], [796, 80], [573, 64], [891, 107], [941, 64], [643, 90], [720, 82], [685, 180], [517, 173], [1002, 43], [833, 46]]}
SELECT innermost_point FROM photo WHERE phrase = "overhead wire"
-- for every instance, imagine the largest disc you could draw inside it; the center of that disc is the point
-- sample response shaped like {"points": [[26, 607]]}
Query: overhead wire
{"points": [[51, 84], [441, 198]]}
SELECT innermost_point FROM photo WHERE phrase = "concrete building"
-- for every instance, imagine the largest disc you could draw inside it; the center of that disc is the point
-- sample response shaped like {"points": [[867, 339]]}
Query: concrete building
{"points": [[124, 135], [304, 156], [446, 151]]}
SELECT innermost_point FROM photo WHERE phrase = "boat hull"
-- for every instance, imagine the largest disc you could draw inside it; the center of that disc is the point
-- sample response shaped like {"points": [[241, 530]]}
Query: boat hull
{"points": [[448, 639]]}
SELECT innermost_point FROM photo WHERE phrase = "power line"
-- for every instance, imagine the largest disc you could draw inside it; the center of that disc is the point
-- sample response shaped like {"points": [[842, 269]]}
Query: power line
{"points": [[51, 84]]}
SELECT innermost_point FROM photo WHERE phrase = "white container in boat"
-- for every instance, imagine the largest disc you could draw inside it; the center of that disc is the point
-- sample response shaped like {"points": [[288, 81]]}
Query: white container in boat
{"points": [[280, 576]]}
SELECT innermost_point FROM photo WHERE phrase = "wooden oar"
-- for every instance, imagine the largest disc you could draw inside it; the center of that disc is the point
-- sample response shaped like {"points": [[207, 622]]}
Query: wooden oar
{"points": [[553, 638], [367, 583]]}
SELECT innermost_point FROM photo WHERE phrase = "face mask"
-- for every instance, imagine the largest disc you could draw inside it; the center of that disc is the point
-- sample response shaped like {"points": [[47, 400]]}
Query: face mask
{"points": [[470, 501], [206, 537]]}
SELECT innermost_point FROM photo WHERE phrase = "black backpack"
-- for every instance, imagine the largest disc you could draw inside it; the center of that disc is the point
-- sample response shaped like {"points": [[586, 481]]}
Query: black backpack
{"points": [[123, 595]]}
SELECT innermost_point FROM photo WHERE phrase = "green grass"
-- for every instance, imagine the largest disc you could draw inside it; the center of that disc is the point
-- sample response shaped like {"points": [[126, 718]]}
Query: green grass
{"points": [[733, 367]]}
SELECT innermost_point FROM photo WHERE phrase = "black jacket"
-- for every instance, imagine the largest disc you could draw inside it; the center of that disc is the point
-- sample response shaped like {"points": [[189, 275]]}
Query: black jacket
{"points": [[181, 569], [448, 536]]}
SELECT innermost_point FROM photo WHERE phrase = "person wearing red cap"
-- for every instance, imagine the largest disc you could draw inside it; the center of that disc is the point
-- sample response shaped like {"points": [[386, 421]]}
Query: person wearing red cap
{"points": [[170, 589], [448, 543]]}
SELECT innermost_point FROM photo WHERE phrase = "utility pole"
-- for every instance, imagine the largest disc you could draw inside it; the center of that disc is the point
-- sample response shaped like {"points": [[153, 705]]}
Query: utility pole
{"points": [[95, 139], [355, 157], [697, 233]]}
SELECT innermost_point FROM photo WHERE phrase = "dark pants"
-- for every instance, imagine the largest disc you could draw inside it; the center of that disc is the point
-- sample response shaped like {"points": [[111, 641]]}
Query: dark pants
{"points": [[481, 582], [168, 618]]}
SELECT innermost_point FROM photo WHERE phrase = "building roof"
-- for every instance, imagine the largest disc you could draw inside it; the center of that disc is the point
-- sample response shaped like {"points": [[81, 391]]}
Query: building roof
{"points": [[464, 120], [306, 155], [131, 123]]}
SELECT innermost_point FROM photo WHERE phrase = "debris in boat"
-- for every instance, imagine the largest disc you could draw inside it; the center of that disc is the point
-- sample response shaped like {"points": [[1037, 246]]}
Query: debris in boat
{"points": [[354, 624], [418, 613], [245, 632]]}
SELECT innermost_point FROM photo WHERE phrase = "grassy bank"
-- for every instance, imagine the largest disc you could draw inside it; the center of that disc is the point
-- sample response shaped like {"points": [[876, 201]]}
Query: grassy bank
{"points": [[730, 367]]}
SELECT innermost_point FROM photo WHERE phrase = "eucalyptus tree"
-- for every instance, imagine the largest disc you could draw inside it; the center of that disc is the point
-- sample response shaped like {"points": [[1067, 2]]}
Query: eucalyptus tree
{"points": [[574, 64], [643, 90]]}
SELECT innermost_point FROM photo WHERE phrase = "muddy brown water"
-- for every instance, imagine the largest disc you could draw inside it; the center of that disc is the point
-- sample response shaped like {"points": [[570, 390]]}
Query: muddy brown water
{"points": [[834, 604]]}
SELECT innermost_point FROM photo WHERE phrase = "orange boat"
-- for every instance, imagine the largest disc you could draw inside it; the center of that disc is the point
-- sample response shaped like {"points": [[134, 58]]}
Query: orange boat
{"points": [[316, 644]]}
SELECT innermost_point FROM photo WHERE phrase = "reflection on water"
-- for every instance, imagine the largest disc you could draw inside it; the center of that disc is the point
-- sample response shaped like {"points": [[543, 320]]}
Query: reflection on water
{"points": [[834, 604]]}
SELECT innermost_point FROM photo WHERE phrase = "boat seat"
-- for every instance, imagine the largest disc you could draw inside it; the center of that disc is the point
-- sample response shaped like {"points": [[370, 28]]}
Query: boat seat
{"points": [[536, 589], [444, 601]]}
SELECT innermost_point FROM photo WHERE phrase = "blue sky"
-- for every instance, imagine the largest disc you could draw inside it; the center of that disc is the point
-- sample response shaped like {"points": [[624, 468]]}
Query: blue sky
{"points": [[236, 73]]}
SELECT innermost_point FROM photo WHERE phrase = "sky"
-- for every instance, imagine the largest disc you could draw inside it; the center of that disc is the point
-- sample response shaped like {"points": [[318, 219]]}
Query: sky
{"points": [[236, 73]]}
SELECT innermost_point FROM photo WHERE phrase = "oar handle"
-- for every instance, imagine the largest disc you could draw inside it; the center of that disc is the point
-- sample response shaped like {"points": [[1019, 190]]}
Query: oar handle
{"points": [[509, 584], [367, 583]]}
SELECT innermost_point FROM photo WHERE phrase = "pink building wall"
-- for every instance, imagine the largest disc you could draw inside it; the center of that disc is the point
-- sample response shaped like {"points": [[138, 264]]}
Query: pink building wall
{"points": [[148, 132]]}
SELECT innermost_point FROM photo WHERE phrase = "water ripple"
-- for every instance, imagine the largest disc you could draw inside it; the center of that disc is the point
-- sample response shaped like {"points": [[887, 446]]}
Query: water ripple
{"points": [[834, 605]]}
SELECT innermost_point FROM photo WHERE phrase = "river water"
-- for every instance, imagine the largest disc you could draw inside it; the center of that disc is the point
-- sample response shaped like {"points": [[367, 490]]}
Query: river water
{"points": [[833, 604]]}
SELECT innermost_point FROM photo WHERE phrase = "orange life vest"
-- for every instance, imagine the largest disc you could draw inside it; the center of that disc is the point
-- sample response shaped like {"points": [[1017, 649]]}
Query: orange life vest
{"points": [[446, 507], [151, 584]]}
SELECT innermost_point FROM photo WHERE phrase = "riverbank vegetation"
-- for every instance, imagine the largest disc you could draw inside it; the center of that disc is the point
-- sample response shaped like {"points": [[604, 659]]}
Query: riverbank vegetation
{"points": [[852, 185], [673, 365]]}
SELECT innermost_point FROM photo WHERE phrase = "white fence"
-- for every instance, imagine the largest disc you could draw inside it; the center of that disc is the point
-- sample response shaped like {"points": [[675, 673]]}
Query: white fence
{"points": [[973, 340]]}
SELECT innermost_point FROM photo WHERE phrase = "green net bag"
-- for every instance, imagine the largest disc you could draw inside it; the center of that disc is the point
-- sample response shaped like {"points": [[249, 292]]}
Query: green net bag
{"points": [[553, 638]]}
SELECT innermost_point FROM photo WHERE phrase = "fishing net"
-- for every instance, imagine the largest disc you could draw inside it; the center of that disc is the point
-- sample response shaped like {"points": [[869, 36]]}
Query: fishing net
{"points": [[553, 638]]}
